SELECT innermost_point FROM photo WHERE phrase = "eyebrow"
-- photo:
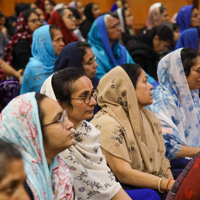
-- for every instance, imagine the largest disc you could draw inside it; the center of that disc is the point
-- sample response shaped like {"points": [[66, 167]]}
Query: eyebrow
{"points": [[85, 92]]}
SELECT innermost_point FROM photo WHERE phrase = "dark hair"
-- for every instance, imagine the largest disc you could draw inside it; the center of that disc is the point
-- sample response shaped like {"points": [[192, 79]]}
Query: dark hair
{"points": [[133, 71], [61, 11], [82, 46], [75, 13], [62, 83], [39, 98], [27, 13], [21, 7], [164, 33], [188, 58], [162, 8], [8, 153], [52, 29], [1, 14]]}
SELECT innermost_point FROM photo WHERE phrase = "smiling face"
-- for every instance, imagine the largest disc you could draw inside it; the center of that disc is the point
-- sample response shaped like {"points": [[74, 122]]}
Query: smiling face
{"points": [[57, 135], [195, 18], [57, 41], [144, 90], [12, 185], [89, 64], [194, 77], [81, 110], [33, 22]]}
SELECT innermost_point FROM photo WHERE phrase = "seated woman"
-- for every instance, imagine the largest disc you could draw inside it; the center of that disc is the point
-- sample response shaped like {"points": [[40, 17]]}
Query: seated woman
{"points": [[40, 133], [78, 54], [189, 38], [188, 17], [131, 137], [18, 49], [47, 45], [65, 20], [146, 49], [12, 175], [92, 177], [92, 11], [176, 102]]}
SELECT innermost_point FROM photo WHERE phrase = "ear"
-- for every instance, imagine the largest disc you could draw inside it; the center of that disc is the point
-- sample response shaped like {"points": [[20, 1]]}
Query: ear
{"points": [[155, 39]]}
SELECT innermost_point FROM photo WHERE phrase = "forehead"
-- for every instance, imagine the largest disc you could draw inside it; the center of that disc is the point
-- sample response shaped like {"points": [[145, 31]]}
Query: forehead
{"points": [[112, 21], [33, 16], [67, 12], [83, 84]]}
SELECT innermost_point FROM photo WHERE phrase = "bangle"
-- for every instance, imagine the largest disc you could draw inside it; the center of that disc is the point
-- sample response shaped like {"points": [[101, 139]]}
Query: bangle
{"points": [[168, 184], [159, 183]]}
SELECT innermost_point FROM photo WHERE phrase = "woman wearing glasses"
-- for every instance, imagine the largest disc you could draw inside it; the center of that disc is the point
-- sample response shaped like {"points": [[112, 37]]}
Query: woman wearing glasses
{"points": [[176, 103], [66, 21], [18, 50], [92, 177], [47, 45], [40, 134]]}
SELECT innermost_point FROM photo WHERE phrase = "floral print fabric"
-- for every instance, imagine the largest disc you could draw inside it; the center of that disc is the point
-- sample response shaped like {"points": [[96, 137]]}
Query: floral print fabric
{"points": [[176, 106], [20, 125]]}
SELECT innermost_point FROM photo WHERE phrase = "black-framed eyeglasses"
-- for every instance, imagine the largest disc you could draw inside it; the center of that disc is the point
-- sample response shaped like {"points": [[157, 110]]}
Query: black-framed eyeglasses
{"points": [[91, 61], [87, 97], [62, 119], [197, 70], [34, 21]]}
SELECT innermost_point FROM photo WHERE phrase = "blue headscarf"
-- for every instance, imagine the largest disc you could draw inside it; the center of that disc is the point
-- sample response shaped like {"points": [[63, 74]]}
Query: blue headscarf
{"points": [[20, 125], [183, 18], [177, 107], [188, 39], [107, 58], [40, 66], [70, 57]]}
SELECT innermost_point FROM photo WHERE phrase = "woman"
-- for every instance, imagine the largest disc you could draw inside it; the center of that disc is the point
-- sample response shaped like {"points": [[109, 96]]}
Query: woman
{"points": [[157, 16], [92, 11], [103, 37], [92, 177], [188, 17], [189, 38], [47, 45], [18, 49], [12, 175], [131, 138], [40, 133], [64, 19], [176, 102], [80, 55]]}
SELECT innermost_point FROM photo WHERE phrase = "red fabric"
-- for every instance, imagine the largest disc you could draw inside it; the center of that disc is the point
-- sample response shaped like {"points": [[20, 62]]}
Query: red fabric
{"points": [[22, 32], [55, 19]]}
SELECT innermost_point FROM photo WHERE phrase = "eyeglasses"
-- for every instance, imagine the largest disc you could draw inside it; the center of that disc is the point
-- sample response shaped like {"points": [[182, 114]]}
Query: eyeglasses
{"points": [[116, 26], [35, 21], [197, 70], [62, 119], [87, 97], [71, 17], [91, 61]]}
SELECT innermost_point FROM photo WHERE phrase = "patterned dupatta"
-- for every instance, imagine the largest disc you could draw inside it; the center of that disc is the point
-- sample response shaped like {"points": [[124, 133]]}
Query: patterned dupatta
{"points": [[20, 125]]}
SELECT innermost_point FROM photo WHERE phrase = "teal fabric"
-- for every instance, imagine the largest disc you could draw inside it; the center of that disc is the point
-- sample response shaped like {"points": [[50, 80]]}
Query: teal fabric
{"points": [[41, 65]]}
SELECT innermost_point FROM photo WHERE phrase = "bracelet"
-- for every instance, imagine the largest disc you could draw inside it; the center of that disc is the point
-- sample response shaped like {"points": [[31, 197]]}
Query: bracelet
{"points": [[168, 184], [159, 183]]}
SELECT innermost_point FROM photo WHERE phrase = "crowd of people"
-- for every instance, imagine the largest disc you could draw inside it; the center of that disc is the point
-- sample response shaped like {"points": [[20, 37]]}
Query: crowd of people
{"points": [[93, 109]]}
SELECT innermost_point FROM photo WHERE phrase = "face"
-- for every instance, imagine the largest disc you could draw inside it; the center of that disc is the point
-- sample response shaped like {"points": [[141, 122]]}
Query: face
{"points": [[96, 11], [69, 20], [41, 15], [195, 18], [144, 90], [164, 16], [12, 185], [80, 7], [33, 22], [56, 128], [89, 64], [48, 7], [58, 43], [81, 111], [129, 19], [176, 34], [114, 29], [160, 45], [2, 22], [194, 77]]}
